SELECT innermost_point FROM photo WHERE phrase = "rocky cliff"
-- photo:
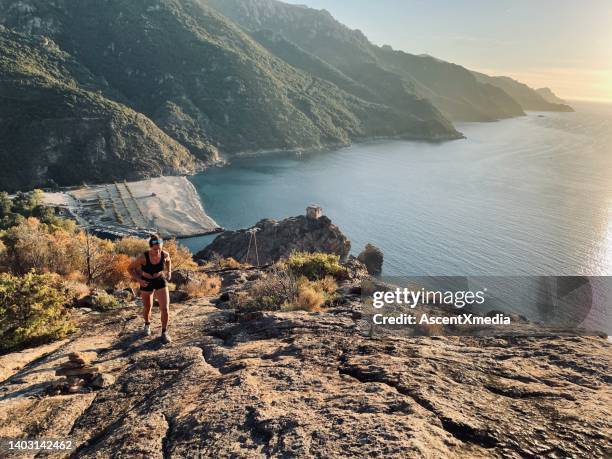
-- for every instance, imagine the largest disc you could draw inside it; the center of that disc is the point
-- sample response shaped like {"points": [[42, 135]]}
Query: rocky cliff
{"points": [[297, 384], [270, 240]]}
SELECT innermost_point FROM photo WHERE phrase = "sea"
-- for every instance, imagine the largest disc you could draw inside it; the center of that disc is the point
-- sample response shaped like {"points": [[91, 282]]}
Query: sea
{"points": [[523, 196], [513, 201]]}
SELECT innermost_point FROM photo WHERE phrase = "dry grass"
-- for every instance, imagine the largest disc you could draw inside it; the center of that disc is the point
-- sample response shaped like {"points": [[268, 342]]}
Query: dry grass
{"points": [[75, 276], [216, 262], [309, 298], [77, 289], [203, 285], [281, 289]]}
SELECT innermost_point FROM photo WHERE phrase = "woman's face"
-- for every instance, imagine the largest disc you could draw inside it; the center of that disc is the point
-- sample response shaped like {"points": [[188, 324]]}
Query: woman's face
{"points": [[156, 249]]}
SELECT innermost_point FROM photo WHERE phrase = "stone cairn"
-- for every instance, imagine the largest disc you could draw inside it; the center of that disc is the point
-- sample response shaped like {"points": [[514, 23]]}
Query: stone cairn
{"points": [[79, 375]]}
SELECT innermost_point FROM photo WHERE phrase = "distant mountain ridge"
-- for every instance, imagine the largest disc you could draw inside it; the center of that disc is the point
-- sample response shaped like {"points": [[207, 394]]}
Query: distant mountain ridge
{"points": [[550, 96], [461, 95], [181, 82], [529, 98]]}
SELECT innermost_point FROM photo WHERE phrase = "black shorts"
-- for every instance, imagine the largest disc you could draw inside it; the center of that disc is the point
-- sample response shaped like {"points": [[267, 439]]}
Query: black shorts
{"points": [[154, 284]]}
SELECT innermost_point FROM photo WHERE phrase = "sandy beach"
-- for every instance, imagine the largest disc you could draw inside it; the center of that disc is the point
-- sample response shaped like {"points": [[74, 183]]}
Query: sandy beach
{"points": [[168, 205]]}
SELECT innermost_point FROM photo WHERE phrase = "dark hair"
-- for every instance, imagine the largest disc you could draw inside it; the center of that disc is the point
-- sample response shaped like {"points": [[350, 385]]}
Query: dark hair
{"points": [[154, 239]]}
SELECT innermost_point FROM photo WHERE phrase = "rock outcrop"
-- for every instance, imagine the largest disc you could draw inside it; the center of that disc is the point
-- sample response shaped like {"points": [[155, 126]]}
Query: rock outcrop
{"points": [[271, 240], [372, 257]]}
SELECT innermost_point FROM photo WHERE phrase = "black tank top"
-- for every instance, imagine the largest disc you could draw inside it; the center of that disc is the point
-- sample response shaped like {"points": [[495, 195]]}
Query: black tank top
{"points": [[151, 268]]}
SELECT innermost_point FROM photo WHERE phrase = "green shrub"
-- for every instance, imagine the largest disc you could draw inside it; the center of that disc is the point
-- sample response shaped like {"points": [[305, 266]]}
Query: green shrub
{"points": [[103, 301], [315, 266], [32, 310]]}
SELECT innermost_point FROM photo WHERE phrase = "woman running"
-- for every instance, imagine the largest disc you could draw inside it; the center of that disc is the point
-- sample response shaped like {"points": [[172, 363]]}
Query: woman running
{"points": [[151, 270]]}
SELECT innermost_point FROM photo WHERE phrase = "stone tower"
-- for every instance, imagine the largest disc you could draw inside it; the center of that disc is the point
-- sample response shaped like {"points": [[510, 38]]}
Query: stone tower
{"points": [[314, 212]]}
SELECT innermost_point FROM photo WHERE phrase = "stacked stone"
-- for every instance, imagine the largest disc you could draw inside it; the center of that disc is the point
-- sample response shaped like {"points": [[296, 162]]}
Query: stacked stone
{"points": [[78, 373]]}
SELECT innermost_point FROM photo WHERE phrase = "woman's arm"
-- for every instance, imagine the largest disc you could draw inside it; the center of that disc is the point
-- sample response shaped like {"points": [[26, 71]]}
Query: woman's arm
{"points": [[168, 265]]}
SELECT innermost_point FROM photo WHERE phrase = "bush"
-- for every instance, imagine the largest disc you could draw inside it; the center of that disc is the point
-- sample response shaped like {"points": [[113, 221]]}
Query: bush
{"points": [[268, 293], [180, 255], [32, 310], [131, 246], [35, 245], [281, 290], [105, 302], [308, 298], [328, 286], [23, 205], [203, 285], [117, 275], [313, 295], [217, 262], [230, 263], [315, 266]]}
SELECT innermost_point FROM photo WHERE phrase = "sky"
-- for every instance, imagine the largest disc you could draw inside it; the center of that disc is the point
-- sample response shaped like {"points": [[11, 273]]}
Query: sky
{"points": [[562, 44]]}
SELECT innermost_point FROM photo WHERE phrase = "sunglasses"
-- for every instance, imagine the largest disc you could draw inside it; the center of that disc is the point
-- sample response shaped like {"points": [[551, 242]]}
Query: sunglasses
{"points": [[154, 242]]}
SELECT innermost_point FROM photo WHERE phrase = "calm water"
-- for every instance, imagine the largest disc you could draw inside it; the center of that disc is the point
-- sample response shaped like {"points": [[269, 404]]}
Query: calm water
{"points": [[531, 195]]}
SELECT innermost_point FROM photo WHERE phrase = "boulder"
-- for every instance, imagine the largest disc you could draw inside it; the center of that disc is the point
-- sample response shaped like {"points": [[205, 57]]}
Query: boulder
{"points": [[372, 258], [181, 277], [99, 300], [126, 294], [355, 269], [178, 296]]}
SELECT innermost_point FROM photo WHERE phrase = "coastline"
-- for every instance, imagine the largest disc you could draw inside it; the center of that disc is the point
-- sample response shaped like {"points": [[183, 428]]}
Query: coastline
{"points": [[333, 146], [169, 205], [178, 210]]}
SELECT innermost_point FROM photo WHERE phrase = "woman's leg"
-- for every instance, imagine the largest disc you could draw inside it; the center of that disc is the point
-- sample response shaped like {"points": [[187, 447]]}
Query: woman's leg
{"points": [[163, 299], [147, 303]]}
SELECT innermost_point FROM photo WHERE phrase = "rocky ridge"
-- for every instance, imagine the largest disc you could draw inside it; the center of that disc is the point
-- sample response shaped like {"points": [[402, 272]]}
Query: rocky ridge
{"points": [[275, 384]]}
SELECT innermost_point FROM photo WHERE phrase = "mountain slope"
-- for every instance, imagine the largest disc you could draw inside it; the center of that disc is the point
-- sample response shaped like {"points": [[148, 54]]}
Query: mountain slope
{"points": [[205, 82], [549, 96], [394, 77], [57, 127], [529, 98]]}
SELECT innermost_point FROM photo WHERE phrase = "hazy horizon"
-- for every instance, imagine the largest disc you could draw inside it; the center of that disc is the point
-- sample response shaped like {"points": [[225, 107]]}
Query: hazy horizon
{"points": [[558, 44]]}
